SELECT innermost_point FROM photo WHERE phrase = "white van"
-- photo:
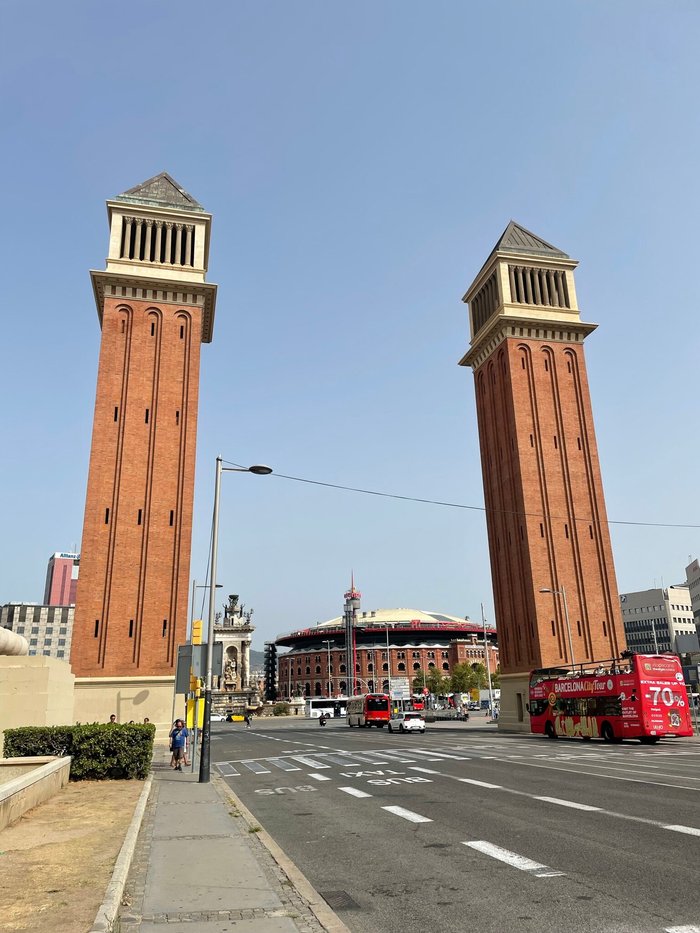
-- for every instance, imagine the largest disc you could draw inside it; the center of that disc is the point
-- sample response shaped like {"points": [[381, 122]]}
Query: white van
{"points": [[407, 721]]}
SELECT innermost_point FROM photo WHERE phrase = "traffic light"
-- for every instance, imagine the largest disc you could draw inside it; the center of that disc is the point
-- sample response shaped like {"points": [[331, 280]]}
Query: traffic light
{"points": [[197, 625], [270, 667]]}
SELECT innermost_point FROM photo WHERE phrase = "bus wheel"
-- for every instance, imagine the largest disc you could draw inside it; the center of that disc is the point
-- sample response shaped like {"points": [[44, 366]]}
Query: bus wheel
{"points": [[607, 733], [549, 731], [649, 739]]}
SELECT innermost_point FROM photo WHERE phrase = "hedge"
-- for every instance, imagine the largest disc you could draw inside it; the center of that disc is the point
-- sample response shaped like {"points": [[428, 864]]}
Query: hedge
{"points": [[99, 751]]}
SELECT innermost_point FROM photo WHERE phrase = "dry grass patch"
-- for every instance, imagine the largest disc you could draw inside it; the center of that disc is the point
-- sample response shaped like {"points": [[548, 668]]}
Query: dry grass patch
{"points": [[56, 862]]}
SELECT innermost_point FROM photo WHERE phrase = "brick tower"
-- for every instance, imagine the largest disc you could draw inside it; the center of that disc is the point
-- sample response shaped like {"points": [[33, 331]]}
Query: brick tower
{"points": [[546, 518], [155, 309]]}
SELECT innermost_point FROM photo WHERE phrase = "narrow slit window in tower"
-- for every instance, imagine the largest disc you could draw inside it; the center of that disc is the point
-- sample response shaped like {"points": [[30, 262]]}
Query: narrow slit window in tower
{"points": [[106, 516], [177, 416], [172, 517], [131, 628], [182, 331], [165, 627], [146, 416], [97, 627], [153, 329], [116, 413], [138, 520]]}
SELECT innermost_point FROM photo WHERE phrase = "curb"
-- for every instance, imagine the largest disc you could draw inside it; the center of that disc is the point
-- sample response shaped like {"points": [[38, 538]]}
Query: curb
{"points": [[109, 908], [328, 919]]}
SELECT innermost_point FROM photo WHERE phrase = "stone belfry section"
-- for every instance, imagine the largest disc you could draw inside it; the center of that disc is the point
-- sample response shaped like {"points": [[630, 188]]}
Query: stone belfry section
{"points": [[546, 519], [155, 310]]}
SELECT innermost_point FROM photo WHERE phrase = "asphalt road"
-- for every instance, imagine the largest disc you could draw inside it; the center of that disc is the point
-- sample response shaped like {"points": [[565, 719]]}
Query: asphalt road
{"points": [[464, 828]]}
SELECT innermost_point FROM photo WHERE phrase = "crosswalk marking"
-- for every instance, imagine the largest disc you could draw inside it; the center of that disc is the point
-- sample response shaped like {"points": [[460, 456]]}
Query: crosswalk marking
{"points": [[319, 777], [255, 767], [309, 762], [283, 765]]}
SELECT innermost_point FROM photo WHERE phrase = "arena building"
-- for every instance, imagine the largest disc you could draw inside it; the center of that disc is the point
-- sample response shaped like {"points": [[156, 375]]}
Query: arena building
{"points": [[389, 643]]}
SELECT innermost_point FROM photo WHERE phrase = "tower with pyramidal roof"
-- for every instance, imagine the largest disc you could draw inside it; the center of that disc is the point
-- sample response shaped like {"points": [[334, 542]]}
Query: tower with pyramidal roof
{"points": [[546, 519], [155, 310]]}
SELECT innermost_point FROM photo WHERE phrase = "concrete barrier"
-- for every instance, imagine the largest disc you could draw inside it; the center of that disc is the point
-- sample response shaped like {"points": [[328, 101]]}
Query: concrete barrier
{"points": [[31, 782]]}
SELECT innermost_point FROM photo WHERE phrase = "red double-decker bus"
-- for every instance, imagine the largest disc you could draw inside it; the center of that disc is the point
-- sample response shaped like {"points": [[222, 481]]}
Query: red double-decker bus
{"points": [[372, 709], [641, 696]]}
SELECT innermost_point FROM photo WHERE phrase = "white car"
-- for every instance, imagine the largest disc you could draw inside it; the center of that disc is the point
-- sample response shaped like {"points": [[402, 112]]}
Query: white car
{"points": [[409, 721], [217, 717]]}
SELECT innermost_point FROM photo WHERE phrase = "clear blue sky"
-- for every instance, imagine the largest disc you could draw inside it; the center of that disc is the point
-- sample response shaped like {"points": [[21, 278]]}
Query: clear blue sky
{"points": [[360, 161]]}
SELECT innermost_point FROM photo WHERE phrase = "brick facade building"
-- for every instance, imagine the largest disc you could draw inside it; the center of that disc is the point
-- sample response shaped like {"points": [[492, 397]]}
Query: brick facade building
{"points": [[546, 519], [155, 310], [316, 663]]}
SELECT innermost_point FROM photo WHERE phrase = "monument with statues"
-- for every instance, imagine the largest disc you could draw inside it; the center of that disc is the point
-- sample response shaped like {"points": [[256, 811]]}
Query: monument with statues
{"points": [[234, 629]]}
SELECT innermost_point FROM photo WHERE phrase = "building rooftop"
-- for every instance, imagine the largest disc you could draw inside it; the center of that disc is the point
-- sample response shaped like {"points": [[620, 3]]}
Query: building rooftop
{"points": [[161, 191]]}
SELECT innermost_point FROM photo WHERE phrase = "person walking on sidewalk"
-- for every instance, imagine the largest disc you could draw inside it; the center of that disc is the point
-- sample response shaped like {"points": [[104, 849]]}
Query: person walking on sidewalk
{"points": [[246, 720], [178, 744]]}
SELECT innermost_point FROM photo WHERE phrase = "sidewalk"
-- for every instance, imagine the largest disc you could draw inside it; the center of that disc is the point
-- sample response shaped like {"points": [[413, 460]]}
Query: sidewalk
{"points": [[201, 859]]}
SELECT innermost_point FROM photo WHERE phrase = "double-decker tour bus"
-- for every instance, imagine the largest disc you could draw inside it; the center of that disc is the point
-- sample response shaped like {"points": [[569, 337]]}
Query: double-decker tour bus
{"points": [[640, 696], [372, 709], [329, 706]]}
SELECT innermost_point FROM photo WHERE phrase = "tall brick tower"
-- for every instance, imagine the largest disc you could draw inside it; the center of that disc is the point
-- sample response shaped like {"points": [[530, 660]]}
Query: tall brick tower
{"points": [[155, 309], [546, 519]]}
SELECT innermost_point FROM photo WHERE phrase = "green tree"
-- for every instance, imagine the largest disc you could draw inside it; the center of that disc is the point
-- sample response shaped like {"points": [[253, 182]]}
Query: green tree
{"points": [[481, 680], [496, 678], [462, 679], [433, 680]]}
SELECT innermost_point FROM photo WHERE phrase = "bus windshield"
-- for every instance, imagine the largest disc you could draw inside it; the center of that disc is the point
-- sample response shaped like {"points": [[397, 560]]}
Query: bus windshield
{"points": [[377, 704]]}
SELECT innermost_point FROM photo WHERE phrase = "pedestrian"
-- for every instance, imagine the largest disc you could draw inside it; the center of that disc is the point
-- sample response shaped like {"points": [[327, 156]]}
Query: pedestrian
{"points": [[246, 720], [178, 744], [112, 718]]}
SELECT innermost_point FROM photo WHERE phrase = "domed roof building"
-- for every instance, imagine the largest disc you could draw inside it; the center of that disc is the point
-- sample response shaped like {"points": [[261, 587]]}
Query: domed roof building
{"points": [[386, 644]]}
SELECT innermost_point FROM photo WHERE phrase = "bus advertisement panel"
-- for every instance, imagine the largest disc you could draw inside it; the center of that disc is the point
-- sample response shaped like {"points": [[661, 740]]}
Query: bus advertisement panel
{"points": [[372, 709], [642, 697]]}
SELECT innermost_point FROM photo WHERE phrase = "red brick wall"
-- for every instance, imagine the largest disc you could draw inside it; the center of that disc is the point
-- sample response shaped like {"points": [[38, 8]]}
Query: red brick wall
{"points": [[149, 360], [546, 515]]}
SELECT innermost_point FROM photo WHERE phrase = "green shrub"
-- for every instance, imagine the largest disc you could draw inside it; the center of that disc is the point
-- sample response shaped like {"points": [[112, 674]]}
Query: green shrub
{"points": [[99, 751], [280, 709]]}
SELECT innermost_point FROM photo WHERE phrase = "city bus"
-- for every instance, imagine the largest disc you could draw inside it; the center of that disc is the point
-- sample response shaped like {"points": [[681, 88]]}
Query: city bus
{"points": [[372, 709], [329, 706], [641, 696]]}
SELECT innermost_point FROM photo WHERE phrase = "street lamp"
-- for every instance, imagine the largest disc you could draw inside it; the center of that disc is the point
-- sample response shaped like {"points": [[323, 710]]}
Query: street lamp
{"points": [[198, 586], [205, 755], [562, 593], [327, 642], [487, 659]]}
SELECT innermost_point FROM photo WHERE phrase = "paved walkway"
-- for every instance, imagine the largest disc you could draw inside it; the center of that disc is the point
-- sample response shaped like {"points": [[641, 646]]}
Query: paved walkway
{"points": [[200, 858]]}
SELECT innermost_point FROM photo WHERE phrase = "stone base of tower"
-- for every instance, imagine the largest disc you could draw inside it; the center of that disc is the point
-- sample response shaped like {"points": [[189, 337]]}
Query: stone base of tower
{"points": [[513, 715], [137, 698]]}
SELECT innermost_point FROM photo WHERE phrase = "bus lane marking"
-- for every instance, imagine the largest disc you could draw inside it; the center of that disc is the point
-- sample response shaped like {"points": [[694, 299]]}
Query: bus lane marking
{"points": [[567, 803], [513, 859], [354, 792], [424, 770], [319, 777], [271, 791], [407, 815], [689, 830], [482, 784], [606, 777]]}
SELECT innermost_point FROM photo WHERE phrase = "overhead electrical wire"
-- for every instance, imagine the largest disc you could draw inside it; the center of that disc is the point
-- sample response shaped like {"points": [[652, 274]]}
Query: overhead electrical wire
{"points": [[460, 505]]}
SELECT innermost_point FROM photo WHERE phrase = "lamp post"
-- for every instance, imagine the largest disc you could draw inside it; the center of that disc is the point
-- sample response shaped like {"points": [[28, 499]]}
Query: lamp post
{"points": [[388, 658], [198, 586], [562, 593], [205, 755], [486, 658], [327, 643]]}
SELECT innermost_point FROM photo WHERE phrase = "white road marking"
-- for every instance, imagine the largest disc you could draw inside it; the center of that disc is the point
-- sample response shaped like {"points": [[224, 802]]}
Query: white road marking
{"points": [[282, 765], [309, 762], [690, 929], [606, 777], [255, 767], [354, 792], [319, 777], [408, 814], [226, 770], [418, 751], [423, 770], [690, 830], [513, 859], [481, 784], [567, 803]]}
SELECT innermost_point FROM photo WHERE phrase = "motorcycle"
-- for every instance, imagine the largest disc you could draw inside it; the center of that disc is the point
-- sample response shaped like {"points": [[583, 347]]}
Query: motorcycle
{"points": [[321, 720]]}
